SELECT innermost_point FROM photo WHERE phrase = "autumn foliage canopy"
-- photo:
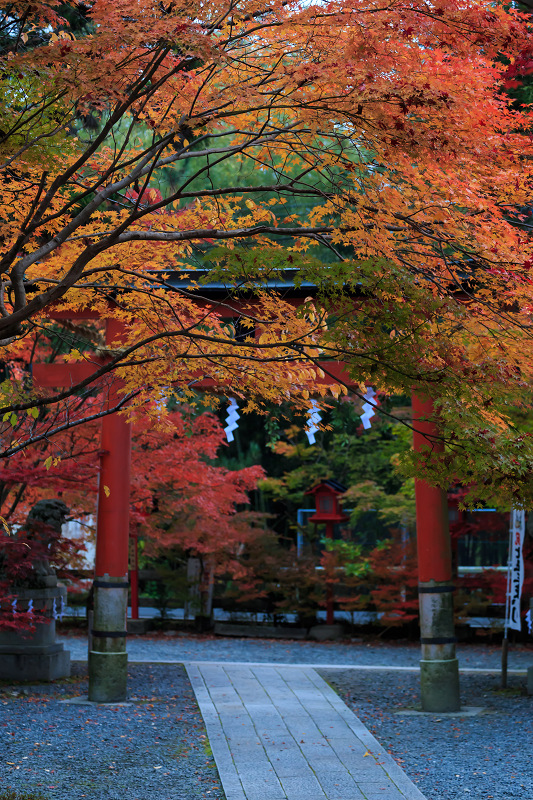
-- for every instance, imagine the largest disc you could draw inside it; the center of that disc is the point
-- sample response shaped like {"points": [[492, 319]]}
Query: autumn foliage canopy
{"points": [[181, 502], [368, 147]]}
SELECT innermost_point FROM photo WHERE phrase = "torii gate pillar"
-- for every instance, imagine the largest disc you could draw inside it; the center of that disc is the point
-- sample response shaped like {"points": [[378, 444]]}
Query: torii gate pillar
{"points": [[439, 668], [108, 660]]}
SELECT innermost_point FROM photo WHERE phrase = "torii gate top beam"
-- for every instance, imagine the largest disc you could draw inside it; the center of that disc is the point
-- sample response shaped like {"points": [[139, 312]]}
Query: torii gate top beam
{"points": [[236, 300], [282, 281]]}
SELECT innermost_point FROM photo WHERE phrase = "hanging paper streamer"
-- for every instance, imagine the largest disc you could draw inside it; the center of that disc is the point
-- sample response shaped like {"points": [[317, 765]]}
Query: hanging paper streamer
{"points": [[61, 608], [14, 606], [30, 608], [231, 420], [314, 418], [368, 407], [54, 609], [515, 568]]}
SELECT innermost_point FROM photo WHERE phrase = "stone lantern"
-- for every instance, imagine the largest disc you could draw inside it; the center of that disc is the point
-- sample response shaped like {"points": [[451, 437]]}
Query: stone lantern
{"points": [[36, 656]]}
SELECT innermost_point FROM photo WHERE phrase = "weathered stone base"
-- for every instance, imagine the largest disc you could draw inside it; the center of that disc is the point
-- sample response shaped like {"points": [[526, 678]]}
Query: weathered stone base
{"points": [[258, 631], [322, 633], [439, 685], [139, 626], [530, 680], [35, 656], [108, 675], [34, 663], [108, 660]]}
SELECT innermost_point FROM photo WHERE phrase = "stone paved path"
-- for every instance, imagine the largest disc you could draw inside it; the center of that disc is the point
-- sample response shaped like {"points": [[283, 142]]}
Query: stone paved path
{"points": [[281, 733]]}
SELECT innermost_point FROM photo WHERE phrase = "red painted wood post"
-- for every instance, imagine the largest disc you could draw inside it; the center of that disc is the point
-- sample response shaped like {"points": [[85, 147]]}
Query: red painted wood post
{"points": [[108, 658], [330, 617], [439, 668]]}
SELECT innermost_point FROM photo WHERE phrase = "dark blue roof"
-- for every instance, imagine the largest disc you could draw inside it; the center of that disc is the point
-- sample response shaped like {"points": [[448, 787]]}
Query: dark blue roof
{"points": [[335, 485], [197, 282]]}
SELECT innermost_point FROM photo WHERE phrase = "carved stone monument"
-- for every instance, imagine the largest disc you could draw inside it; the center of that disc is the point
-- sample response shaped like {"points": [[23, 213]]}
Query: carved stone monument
{"points": [[26, 656]]}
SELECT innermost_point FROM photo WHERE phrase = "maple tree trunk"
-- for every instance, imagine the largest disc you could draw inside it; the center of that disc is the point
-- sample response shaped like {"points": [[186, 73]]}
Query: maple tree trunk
{"points": [[439, 668], [108, 659]]}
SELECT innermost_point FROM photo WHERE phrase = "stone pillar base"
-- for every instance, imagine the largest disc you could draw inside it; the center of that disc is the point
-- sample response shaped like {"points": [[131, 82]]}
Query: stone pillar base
{"points": [[35, 655], [34, 663], [108, 676], [439, 684], [108, 660]]}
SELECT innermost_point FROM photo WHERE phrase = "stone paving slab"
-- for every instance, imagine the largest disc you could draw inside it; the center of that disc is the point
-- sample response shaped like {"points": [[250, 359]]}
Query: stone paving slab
{"points": [[281, 733]]}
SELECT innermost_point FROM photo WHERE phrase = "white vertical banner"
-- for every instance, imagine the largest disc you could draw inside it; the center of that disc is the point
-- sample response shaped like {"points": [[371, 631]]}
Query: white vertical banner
{"points": [[515, 568]]}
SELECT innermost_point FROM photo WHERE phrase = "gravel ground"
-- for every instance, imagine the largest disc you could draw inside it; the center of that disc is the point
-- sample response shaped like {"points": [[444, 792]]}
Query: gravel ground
{"points": [[176, 647], [154, 748], [485, 757]]}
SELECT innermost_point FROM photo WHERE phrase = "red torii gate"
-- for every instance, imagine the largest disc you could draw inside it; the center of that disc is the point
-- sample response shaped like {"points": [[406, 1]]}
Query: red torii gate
{"points": [[108, 657]]}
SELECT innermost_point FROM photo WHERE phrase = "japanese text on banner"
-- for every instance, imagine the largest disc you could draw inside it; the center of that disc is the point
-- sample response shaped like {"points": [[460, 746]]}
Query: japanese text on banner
{"points": [[516, 568]]}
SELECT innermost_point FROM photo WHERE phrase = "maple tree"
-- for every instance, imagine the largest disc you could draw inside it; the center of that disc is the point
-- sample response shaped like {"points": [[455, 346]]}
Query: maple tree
{"points": [[175, 481], [163, 136], [186, 505], [174, 474], [180, 498]]}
